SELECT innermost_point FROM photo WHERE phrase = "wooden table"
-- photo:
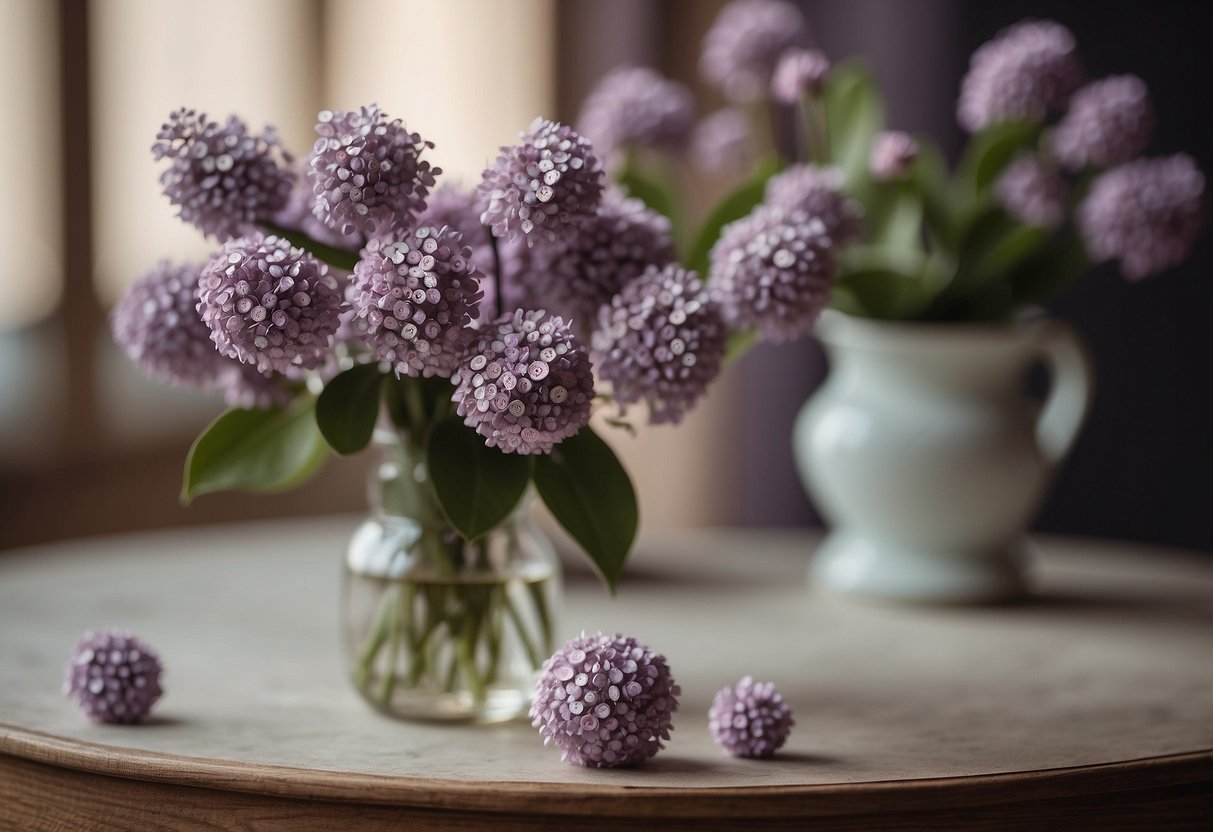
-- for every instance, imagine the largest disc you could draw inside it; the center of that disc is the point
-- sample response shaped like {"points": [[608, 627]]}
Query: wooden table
{"points": [[1090, 705]]}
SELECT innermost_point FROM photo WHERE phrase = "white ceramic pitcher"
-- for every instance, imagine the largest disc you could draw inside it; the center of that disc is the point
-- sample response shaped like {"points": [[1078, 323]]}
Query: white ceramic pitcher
{"points": [[929, 459]]}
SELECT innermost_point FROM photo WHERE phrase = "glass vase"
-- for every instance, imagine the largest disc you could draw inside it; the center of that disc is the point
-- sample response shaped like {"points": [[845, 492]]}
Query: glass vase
{"points": [[436, 628]]}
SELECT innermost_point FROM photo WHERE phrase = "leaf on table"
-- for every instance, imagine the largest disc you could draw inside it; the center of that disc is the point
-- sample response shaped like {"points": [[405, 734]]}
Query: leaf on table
{"points": [[256, 450], [477, 486], [590, 494]]}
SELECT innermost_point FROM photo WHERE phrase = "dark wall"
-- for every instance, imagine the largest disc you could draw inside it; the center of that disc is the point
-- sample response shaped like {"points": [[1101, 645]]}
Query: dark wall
{"points": [[1143, 468]]}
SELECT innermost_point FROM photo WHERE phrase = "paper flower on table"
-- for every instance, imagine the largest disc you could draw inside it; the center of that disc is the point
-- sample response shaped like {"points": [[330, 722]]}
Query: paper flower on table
{"points": [[634, 106], [745, 43], [544, 188], [661, 340], [773, 271], [113, 676], [367, 174], [222, 179], [414, 301], [1032, 192], [613, 248], [269, 304], [605, 701], [525, 384], [1026, 72], [1146, 214], [818, 192], [750, 719], [1108, 122]]}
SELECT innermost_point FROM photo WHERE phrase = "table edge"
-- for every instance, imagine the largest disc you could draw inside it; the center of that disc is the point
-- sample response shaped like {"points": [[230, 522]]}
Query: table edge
{"points": [[1172, 770]]}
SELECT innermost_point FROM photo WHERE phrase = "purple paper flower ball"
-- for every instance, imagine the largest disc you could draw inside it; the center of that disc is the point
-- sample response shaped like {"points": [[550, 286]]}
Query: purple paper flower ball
{"points": [[634, 106], [799, 71], [817, 191], [297, 215], [615, 247], [525, 384], [1027, 71], [750, 719], [893, 155], [722, 142], [1108, 122], [156, 323], [745, 43], [660, 340], [415, 300], [543, 188], [1145, 213], [269, 304], [773, 271], [113, 676], [1032, 192], [605, 701], [367, 173], [222, 179]]}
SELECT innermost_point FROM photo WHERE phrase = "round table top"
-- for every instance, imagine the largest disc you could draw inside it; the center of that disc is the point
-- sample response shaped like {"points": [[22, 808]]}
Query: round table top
{"points": [[1107, 669]]}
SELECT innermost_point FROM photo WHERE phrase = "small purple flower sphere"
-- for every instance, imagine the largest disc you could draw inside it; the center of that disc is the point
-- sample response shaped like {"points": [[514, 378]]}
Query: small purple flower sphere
{"points": [[615, 247], [222, 179], [817, 191], [1027, 71], [634, 106], [605, 701], [799, 71], [745, 43], [773, 271], [660, 340], [525, 384], [415, 300], [113, 677], [545, 187], [893, 154], [750, 719], [722, 142], [1033, 192], [367, 173], [1108, 122], [156, 322], [1145, 213], [297, 215], [269, 304]]}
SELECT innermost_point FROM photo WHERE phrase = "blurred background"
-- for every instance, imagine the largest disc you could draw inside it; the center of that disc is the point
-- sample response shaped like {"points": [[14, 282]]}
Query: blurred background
{"points": [[87, 446]]}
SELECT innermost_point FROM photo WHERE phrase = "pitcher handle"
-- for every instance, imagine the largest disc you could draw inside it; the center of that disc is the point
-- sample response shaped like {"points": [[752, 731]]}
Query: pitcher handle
{"points": [[1071, 383]]}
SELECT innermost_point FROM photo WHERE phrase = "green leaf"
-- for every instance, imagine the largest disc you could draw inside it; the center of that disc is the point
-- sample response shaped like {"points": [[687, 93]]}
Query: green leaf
{"points": [[739, 343], [897, 220], [477, 486], [335, 257], [989, 152], [1048, 270], [347, 409], [854, 115], [929, 177], [589, 493], [994, 246], [256, 450], [648, 190], [735, 205]]}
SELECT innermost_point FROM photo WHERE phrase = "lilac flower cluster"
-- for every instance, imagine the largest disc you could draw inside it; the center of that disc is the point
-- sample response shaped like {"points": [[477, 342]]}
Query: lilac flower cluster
{"points": [[605, 701], [745, 44], [1027, 71], [661, 340], [1108, 122], [614, 247], [1145, 214], [525, 384], [367, 173], [1033, 192], [634, 106], [893, 154], [773, 271], [799, 72], [415, 299], [722, 142], [750, 719], [113, 676], [546, 187], [817, 192], [269, 304], [222, 179]]}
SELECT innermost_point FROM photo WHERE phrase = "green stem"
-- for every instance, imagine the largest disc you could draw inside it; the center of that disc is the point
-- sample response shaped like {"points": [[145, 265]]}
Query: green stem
{"points": [[374, 641], [388, 682], [336, 257], [520, 626], [539, 596], [465, 651]]}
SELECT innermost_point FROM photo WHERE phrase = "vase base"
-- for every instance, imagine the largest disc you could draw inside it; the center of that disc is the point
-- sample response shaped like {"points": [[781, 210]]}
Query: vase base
{"points": [[413, 705], [855, 564]]}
